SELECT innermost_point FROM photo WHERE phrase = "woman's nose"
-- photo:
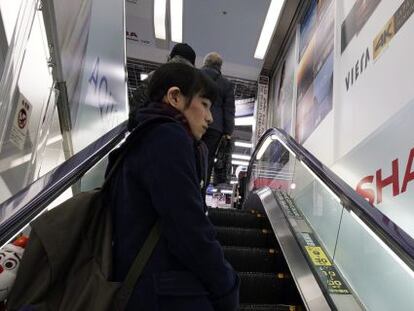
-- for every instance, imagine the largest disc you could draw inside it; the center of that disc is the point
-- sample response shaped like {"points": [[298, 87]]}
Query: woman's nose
{"points": [[209, 117]]}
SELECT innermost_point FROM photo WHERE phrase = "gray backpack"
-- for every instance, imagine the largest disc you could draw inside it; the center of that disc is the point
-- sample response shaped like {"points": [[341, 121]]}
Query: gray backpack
{"points": [[68, 260]]}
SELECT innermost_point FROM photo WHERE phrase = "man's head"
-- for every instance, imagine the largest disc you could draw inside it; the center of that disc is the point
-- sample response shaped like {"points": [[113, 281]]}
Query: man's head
{"points": [[213, 59], [183, 50]]}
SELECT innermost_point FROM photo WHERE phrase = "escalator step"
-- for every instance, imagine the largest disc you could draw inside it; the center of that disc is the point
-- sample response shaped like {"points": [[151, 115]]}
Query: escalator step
{"points": [[257, 238], [268, 288], [233, 218], [248, 307], [244, 259]]}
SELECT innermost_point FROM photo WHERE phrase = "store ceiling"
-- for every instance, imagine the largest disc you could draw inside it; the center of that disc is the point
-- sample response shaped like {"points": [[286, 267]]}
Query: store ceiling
{"points": [[230, 27]]}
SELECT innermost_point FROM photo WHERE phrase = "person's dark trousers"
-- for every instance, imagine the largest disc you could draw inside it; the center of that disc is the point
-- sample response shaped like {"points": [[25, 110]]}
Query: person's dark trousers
{"points": [[212, 139]]}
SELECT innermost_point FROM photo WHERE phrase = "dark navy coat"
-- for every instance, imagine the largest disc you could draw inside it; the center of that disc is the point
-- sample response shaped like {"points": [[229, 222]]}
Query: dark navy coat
{"points": [[223, 109], [187, 271]]}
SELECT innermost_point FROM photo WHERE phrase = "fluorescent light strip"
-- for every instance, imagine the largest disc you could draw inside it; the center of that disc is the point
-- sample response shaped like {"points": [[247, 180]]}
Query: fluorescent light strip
{"points": [[160, 7], [244, 121], [240, 156], [243, 144], [234, 182], [268, 28], [383, 245], [237, 162], [322, 183], [176, 9], [226, 191]]}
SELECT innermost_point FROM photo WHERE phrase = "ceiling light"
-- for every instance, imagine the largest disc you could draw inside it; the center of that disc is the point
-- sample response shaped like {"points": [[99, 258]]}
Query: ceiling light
{"points": [[225, 191], [244, 121], [237, 162], [240, 156], [268, 28], [160, 7], [143, 76], [176, 10], [243, 144]]}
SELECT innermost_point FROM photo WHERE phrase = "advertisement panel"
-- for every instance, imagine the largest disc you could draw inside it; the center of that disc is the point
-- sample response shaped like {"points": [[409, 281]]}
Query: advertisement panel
{"points": [[373, 67], [381, 168], [103, 93], [315, 70], [285, 88], [374, 104], [72, 27]]}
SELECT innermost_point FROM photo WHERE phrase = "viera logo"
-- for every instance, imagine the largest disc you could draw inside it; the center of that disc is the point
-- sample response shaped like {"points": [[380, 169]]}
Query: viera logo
{"points": [[360, 66], [371, 187]]}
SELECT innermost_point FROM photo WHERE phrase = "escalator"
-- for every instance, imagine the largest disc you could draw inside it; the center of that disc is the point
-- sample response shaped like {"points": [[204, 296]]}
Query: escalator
{"points": [[303, 240], [250, 246]]}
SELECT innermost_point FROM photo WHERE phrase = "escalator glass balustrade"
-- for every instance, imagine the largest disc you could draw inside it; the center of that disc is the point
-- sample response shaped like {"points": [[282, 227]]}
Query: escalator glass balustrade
{"points": [[360, 261]]}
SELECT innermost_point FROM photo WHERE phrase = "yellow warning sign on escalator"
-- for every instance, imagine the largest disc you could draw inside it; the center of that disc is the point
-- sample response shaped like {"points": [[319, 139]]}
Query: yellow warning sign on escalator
{"points": [[318, 256]]}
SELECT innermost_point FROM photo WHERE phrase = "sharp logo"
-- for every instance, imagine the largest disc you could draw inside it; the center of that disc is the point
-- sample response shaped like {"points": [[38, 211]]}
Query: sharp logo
{"points": [[130, 35], [391, 28], [371, 187]]}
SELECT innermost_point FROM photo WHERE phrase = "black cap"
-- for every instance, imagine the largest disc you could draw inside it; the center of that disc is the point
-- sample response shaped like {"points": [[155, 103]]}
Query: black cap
{"points": [[185, 51]]}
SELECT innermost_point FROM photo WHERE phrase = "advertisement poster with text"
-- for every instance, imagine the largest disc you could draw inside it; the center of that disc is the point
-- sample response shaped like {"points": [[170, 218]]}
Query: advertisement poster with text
{"points": [[373, 66], [285, 88], [315, 70], [374, 104], [381, 169], [103, 97]]}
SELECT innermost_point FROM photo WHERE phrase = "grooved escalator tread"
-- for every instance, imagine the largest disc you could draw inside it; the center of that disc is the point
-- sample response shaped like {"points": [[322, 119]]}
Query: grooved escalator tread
{"points": [[259, 238], [267, 288], [235, 218], [245, 259]]}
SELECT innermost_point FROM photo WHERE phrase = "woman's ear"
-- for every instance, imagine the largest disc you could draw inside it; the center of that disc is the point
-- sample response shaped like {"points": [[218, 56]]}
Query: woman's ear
{"points": [[175, 98]]}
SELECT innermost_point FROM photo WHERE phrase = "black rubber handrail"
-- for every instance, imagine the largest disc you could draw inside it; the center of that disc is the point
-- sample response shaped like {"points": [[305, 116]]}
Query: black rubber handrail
{"points": [[34, 198], [388, 231]]}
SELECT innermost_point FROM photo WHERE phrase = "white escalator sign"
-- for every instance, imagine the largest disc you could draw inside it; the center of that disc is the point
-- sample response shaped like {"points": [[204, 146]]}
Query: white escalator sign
{"points": [[21, 122]]}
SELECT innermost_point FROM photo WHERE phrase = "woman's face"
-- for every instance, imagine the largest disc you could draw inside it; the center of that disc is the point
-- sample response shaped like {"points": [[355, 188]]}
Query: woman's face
{"points": [[198, 115]]}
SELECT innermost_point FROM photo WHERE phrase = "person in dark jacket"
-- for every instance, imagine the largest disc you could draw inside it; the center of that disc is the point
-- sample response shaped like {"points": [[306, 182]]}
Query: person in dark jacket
{"points": [[222, 110], [159, 180]]}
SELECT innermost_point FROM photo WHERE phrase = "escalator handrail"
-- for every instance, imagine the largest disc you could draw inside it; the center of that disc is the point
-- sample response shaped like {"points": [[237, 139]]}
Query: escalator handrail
{"points": [[34, 198], [388, 231]]}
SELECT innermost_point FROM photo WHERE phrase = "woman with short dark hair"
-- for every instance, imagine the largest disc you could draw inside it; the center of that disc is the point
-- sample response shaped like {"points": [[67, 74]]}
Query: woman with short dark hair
{"points": [[159, 179]]}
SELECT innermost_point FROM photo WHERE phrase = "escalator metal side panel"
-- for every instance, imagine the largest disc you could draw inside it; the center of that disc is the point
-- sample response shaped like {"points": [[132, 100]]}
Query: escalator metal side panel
{"points": [[308, 287]]}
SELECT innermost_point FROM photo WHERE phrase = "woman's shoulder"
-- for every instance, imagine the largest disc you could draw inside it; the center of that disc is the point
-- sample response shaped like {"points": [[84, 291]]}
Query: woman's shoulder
{"points": [[169, 133]]}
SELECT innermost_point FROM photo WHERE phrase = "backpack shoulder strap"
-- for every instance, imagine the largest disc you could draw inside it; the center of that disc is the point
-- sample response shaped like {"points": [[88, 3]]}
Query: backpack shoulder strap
{"points": [[138, 265], [152, 239]]}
